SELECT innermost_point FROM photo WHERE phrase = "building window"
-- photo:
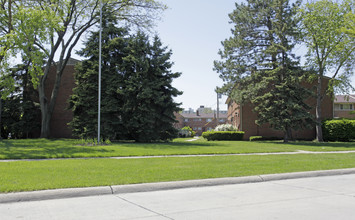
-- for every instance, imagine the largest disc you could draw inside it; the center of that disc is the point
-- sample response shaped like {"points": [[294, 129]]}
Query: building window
{"points": [[221, 120], [209, 119], [199, 128], [197, 119], [343, 106], [209, 129], [194, 128], [186, 120]]}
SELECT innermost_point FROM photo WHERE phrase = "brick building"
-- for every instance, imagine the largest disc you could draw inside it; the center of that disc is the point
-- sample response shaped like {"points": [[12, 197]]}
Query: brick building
{"points": [[61, 114], [243, 117], [201, 120], [344, 106]]}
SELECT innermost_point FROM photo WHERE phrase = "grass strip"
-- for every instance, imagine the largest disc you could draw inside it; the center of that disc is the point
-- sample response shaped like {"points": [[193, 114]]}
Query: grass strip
{"points": [[67, 148], [40, 175]]}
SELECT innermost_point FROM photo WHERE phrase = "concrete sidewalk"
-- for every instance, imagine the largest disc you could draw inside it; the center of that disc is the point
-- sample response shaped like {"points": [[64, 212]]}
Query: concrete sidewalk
{"points": [[326, 197], [149, 187]]}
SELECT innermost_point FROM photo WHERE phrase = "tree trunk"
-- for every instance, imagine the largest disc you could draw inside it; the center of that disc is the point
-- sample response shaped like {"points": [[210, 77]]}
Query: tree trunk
{"points": [[0, 117], [45, 116], [319, 133]]}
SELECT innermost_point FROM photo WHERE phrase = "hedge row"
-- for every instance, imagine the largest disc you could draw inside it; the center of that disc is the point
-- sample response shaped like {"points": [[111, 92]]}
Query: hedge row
{"points": [[223, 135], [339, 130]]}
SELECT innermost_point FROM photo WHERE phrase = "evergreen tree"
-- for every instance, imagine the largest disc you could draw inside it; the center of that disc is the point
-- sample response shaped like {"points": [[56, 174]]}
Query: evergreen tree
{"points": [[20, 113], [258, 65], [148, 110], [137, 95], [84, 101]]}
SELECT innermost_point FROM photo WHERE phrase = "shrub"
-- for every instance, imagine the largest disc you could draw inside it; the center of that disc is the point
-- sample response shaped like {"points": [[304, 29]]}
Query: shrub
{"points": [[223, 135], [256, 138], [186, 132], [339, 130], [226, 127]]}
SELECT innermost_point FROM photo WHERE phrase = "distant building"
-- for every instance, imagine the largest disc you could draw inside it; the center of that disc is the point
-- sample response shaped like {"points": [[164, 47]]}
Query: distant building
{"points": [[344, 105], [201, 120]]}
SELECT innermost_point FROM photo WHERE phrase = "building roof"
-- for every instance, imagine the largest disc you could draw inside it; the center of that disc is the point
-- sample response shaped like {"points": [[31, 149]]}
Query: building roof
{"points": [[203, 115], [344, 98]]}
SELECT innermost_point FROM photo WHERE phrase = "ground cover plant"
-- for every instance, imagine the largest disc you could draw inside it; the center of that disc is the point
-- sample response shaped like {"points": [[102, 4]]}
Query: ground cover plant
{"points": [[69, 148], [52, 174]]}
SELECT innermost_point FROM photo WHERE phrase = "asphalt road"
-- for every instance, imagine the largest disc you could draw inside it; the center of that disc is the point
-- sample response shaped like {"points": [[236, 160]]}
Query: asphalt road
{"points": [[327, 197]]}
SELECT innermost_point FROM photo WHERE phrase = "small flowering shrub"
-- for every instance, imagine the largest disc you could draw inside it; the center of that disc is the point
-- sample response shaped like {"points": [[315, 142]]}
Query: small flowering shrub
{"points": [[226, 127]]}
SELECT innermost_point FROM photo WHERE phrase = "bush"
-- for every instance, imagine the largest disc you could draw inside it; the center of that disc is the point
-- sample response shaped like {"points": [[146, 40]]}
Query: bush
{"points": [[339, 130], [186, 132], [256, 138], [223, 135], [226, 127]]}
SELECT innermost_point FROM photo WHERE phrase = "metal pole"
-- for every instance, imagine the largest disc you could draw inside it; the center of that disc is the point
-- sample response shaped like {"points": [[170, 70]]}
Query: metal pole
{"points": [[99, 95], [217, 107]]}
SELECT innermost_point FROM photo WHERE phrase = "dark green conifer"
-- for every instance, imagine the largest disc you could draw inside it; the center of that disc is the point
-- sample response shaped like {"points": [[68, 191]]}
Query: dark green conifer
{"points": [[137, 95], [258, 64]]}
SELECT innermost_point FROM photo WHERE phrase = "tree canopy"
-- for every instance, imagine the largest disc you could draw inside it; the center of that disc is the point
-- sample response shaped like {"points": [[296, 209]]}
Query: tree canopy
{"points": [[47, 30], [331, 48], [137, 95], [258, 65]]}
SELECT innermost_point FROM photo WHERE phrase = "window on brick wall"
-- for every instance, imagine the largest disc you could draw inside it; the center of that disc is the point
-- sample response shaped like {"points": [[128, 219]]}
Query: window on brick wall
{"points": [[209, 119], [197, 119], [186, 120], [343, 106]]}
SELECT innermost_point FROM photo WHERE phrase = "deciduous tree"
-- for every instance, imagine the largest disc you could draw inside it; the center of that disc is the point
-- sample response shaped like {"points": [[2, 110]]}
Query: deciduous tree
{"points": [[330, 49]]}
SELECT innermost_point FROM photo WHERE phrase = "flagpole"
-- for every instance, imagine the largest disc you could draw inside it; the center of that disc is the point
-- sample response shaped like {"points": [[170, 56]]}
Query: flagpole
{"points": [[99, 92]]}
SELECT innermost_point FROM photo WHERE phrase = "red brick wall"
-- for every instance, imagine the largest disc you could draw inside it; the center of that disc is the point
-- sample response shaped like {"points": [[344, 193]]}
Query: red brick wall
{"points": [[248, 118], [344, 114], [61, 115]]}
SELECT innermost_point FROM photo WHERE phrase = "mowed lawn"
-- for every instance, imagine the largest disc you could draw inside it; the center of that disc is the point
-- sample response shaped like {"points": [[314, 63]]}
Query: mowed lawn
{"points": [[68, 148], [67, 173], [53, 174]]}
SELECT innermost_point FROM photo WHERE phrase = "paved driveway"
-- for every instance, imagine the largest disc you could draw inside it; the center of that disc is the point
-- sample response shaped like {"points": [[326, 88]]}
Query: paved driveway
{"points": [[331, 197]]}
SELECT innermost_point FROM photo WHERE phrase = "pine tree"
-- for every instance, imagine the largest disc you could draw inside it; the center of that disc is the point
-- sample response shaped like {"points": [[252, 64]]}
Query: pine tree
{"points": [[148, 110], [137, 95], [84, 101], [258, 65]]}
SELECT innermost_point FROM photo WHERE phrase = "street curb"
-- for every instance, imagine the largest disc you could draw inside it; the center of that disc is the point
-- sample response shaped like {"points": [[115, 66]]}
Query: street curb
{"points": [[149, 187]]}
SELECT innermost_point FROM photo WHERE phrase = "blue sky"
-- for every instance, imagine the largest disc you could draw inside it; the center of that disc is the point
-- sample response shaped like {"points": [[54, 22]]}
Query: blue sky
{"points": [[194, 29]]}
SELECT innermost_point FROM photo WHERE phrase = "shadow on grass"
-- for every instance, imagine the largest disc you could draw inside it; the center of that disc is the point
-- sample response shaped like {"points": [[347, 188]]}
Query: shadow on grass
{"points": [[43, 148], [170, 145], [320, 144]]}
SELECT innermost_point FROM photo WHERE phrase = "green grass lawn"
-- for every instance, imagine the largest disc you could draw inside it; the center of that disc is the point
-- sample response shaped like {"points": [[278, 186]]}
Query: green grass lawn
{"points": [[51, 174], [67, 148]]}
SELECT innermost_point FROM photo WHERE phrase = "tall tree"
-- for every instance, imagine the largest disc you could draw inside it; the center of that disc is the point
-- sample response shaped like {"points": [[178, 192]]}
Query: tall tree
{"points": [[65, 22], [137, 101], [148, 110], [330, 50], [258, 65]]}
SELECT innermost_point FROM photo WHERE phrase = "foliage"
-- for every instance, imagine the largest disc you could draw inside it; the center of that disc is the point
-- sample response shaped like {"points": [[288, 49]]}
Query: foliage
{"points": [[43, 30], [187, 132], [339, 130], [223, 135], [256, 138], [258, 65], [226, 127], [20, 111], [137, 101], [330, 49]]}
